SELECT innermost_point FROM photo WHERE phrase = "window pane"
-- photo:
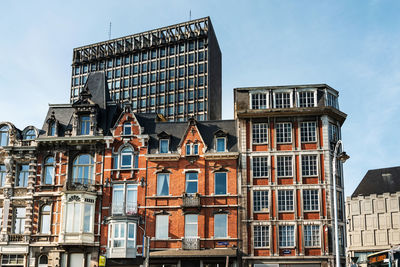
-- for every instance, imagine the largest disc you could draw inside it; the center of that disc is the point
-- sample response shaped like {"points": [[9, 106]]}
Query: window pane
{"points": [[220, 183], [191, 225], [163, 184], [191, 182], [162, 226], [87, 219], [220, 144], [220, 225]]}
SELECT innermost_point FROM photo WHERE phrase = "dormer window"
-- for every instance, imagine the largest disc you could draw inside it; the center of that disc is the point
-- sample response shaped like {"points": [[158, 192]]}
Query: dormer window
{"points": [[306, 99], [4, 135], [192, 149], [164, 145], [127, 128], [221, 144], [331, 100], [30, 134], [84, 125], [52, 129], [259, 101], [282, 100]]}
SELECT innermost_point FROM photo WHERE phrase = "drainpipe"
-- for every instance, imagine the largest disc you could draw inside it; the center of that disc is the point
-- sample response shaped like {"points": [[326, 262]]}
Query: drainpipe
{"points": [[147, 248]]}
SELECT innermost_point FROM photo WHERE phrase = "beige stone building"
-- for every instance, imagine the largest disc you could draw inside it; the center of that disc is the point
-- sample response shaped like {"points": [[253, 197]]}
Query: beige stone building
{"points": [[373, 214]]}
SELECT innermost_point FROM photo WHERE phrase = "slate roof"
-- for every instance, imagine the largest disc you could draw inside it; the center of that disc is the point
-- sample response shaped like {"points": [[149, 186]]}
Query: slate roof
{"points": [[379, 181], [176, 130], [97, 86]]}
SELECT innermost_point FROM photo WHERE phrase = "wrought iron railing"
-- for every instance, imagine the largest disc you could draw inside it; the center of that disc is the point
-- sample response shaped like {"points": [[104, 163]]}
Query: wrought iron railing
{"points": [[190, 200], [124, 209], [191, 243]]}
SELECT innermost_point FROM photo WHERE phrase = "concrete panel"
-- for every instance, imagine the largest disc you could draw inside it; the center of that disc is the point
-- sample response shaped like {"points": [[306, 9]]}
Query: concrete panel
{"points": [[394, 236], [356, 239], [394, 204], [381, 237], [371, 222], [396, 220], [368, 238], [367, 207], [355, 207], [379, 205]]}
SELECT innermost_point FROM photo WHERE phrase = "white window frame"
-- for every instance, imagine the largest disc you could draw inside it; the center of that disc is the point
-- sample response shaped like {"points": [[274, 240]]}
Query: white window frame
{"points": [[191, 149], [76, 166], [162, 232], [288, 239], [130, 153], [127, 126], [226, 225], [190, 221], [160, 145], [284, 166], [307, 91], [257, 97], [158, 183], [216, 144], [75, 225], [46, 166], [308, 132], [264, 238], [276, 92], [44, 221], [311, 200], [4, 135], [258, 169], [312, 235], [309, 165], [188, 181], [125, 237], [259, 133], [286, 203], [283, 132], [127, 206], [84, 125], [260, 197], [20, 219]]}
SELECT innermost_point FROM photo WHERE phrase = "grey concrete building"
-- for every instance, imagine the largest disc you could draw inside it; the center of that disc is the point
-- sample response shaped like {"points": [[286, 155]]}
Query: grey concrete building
{"points": [[174, 70], [373, 214]]}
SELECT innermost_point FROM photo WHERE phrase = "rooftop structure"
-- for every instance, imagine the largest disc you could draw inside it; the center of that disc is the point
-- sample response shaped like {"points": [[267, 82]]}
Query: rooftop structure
{"points": [[174, 70]]}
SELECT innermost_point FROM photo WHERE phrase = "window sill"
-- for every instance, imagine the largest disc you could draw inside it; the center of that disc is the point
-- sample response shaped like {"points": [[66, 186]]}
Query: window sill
{"points": [[258, 144], [263, 177], [309, 142], [284, 143], [285, 211], [261, 212]]}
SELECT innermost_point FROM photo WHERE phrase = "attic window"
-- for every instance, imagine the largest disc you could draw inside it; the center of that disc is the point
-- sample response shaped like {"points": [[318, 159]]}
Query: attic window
{"points": [[221, 144], [164, 145], [52, 129], [192, 149], [127, 128], [85, 125], [4, 135], [30, 134]]}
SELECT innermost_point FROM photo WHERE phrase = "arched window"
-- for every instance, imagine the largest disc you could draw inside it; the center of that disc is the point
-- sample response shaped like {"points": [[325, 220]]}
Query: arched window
{"points": [[48, 172], [126, 158], [30, 134], [82, 169], [43, 261], [4, 135], [45, 219]]}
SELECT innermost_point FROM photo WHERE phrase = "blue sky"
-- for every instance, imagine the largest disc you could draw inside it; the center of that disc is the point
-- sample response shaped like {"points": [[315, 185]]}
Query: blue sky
{"points": [[351, 45]]}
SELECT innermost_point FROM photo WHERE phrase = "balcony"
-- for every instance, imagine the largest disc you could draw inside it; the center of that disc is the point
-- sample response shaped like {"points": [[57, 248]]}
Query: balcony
{"points": [[82, 185], [124, 209], [191, 243], [191, 200], [17, 238]]}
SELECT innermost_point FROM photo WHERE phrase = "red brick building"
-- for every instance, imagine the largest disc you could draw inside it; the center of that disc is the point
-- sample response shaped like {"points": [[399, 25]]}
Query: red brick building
{"points": [[285, 136]]}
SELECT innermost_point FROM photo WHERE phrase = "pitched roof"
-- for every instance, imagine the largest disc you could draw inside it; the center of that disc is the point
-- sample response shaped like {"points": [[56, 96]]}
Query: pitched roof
{"points": [[177, 130], [379, 181]]}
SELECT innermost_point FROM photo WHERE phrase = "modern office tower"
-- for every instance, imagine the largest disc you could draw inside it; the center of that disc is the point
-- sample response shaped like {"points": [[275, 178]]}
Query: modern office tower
{"points": [[373, 216], [174, 70], [286, 136]]}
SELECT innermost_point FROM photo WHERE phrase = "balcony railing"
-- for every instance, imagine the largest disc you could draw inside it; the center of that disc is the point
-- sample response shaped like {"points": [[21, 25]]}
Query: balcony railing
{"points": [[17, 238], [191, 243], [191, 200], [122, 209]]}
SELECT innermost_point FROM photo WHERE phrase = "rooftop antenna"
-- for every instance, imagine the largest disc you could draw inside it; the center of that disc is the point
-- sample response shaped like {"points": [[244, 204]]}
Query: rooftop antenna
{"points": [[190, 14], [109, 32]]}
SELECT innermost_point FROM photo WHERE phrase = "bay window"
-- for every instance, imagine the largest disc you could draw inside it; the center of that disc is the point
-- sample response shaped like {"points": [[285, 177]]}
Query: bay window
{"points": [[79, 214]]}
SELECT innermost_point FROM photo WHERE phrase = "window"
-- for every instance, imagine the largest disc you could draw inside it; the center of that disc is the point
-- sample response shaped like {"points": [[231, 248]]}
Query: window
{"points": [[191, 182], [23, 173], [19, 220], [4, 136], [259, 101], [284, 132], [306, 99], [286, 235], [282, 100], [261, 236], [333, 132], [119, 235], [260, 167], [285, 200], [48, 173], [85, 125], [127, 128], [45, 219], [192, 149], [308, 131], [332, 101], [82, 169], [260, 200], [12, 259], [220, 183], [340, 205], [284, 166], [164, 143], [3, 174], [30, 134], [220, 225], [124, 200], [311, 236], [52, 129], [162, 184], [79, 214], [43, 260], [309, 165], [221, 147], [162, 226], [190, 225], [118, 238], [310, 200], [260, 133], [126, 158]]}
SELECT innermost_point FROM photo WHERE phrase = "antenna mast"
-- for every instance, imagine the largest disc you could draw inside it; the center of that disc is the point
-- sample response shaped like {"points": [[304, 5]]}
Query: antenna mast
{"points": [[109, 32]]}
